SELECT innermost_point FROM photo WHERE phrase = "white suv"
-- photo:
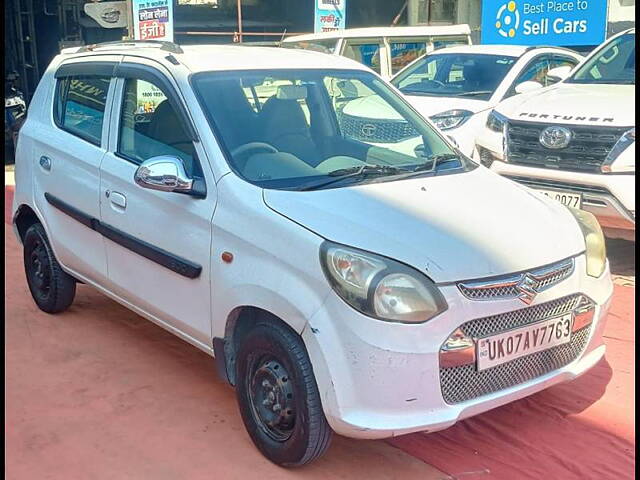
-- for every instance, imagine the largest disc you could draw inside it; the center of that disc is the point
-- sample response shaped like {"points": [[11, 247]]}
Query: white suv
{"points": [[340, 286], [575, 140]]}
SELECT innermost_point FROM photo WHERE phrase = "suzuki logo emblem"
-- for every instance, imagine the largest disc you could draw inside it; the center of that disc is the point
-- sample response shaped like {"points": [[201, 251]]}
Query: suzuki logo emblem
{"points": [[527, 289], [555, 137]]}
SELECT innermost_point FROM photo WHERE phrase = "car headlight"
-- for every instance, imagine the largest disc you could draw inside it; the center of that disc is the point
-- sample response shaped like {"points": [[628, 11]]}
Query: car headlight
{"points": [[496, 122], [620, 146], [380, 287], [451, 118], [596, 251]]}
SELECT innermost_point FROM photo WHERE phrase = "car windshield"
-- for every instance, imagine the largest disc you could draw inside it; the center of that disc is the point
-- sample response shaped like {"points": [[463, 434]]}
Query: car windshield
{"points": [[323, 46], [307, 129], [455, 75], [615, 63]]}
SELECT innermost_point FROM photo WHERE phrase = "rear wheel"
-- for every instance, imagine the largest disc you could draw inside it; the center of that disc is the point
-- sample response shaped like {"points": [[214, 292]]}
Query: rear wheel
{"points": [[52, 289], [278, 396]]}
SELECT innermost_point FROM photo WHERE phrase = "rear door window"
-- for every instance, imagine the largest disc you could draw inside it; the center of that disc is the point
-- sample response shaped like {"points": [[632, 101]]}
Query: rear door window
{"points": [[403, 53], [365, 52], [80, 106]]}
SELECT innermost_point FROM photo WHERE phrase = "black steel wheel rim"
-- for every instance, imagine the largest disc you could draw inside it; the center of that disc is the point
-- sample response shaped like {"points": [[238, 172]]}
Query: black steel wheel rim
{"points": [[40, 269], [271, 394]]}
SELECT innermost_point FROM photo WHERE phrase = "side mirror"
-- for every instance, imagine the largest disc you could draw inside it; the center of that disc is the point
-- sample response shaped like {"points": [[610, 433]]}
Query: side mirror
{"points": [[166, 174], [527, 86], [558, 74]]}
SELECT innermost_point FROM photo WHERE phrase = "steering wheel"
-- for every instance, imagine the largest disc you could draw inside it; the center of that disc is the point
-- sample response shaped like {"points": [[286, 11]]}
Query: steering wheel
{"points": [[247, 147]]}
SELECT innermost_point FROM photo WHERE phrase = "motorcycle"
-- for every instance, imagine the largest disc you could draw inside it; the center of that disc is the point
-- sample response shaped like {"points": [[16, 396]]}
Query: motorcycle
{"points": [[15, 109]]}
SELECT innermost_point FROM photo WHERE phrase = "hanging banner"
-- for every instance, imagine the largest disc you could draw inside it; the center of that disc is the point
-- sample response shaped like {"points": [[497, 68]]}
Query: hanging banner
{"points": [[547, 22], [330, 15], [153, 19]]}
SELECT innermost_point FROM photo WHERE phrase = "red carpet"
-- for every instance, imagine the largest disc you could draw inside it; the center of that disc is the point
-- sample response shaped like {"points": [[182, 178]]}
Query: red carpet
{"points": [[580, 430], [8, 198]]}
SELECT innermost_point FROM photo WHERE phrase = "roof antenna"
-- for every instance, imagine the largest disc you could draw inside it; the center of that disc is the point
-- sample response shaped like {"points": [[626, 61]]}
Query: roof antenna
{"points": [[284, 32]]}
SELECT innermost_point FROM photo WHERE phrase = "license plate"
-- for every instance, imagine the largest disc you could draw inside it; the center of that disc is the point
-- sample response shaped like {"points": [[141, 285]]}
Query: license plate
{"points": [[567, 198], [507, 346]]}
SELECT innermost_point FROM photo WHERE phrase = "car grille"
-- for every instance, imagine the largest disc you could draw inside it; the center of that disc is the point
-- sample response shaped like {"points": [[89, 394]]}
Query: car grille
{"points": [[507, 286], [586, 152], [462, 383], [375, 130], [554, 184]]}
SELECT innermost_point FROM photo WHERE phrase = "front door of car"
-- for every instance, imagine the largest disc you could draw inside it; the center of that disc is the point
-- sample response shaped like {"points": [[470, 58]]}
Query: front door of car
{"points": [[158, 243]]}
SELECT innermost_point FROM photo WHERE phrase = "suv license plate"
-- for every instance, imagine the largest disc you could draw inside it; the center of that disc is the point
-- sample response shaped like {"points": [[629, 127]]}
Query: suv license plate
{"points": [[507, 346], [567, 198]]}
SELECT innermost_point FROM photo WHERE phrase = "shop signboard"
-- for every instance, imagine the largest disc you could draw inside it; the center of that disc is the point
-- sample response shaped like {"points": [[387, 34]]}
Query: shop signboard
{"points": [[153, 19], [330, 15], [544, 22]]}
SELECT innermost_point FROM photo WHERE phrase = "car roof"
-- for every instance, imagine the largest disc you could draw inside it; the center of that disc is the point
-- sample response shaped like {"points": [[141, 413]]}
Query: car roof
{"points": [[368, 32], [199, 58], [511, 50]]}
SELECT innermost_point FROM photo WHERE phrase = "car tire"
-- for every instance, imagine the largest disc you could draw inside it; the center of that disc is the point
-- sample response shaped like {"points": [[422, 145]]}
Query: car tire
{"points": [[278, 396], [52, 289]]}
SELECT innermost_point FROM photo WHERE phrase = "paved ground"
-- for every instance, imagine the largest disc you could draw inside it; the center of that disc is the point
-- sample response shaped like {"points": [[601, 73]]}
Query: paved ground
{"points": [[100, 393]]}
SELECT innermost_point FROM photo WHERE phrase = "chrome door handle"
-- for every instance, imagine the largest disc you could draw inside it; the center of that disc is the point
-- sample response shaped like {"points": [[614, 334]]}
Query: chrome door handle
{"points": [[45, 163], [118, 199]]}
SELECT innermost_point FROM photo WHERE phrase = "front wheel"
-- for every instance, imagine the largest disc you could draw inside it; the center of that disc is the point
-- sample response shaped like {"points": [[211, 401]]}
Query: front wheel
{"points": [[278, 396], [52, 289]]}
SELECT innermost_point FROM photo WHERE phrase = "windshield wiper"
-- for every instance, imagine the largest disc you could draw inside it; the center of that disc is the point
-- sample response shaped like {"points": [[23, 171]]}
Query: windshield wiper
{"points": [[430, 165], [362, 171], [471, 94]]}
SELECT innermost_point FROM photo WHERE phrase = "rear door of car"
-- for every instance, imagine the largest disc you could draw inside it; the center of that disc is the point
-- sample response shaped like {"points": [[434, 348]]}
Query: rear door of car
{"points": [[158, 243], [67, 152]]}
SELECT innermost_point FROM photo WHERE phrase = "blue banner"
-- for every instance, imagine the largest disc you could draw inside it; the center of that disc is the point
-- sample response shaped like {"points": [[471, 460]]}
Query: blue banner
{"points": [[544, 22], [330, 15]]}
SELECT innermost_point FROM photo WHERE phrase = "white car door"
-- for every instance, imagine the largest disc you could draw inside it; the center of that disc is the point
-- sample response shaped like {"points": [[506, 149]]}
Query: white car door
{"points": [[158, 243], [68, 144]]}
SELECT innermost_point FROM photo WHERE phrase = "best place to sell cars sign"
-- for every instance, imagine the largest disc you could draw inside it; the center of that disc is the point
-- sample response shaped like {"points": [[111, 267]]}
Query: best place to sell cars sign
{"points": [[544, 22], [153, 19], [330, 15]]}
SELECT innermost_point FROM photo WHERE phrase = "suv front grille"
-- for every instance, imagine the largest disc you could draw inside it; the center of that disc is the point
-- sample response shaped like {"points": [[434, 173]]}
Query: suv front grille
{"points": [[462, 383], [552, 184], [586, 151], [374, 130]]}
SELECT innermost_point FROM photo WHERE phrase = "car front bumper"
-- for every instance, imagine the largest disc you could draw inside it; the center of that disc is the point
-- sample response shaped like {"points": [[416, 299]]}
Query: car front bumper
{"points": [[380, 379]]}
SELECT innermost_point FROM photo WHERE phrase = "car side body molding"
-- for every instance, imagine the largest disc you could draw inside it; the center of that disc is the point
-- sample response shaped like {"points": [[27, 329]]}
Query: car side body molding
{"points": [[177, 264]]}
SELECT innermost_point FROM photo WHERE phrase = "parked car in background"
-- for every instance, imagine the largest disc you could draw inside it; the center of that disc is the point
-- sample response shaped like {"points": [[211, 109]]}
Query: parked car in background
{"points": [[457, 87], [575, 141], [340, 285], [386, 50]]}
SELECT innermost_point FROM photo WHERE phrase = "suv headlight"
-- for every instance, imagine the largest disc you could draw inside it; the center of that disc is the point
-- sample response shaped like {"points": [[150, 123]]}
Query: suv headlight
{"points": [[496, 122], [596, 251], [620, 146], [380, 287], [451, 119]]}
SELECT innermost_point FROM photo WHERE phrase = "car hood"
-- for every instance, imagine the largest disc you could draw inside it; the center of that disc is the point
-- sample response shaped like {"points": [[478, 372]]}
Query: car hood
{"points": [[572, 103], [452, 227], [429, 106]]}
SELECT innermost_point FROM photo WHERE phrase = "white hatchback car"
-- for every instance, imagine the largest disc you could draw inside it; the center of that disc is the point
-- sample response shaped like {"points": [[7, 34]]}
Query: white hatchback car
{"points": [[340, 286], [457, 87]]}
